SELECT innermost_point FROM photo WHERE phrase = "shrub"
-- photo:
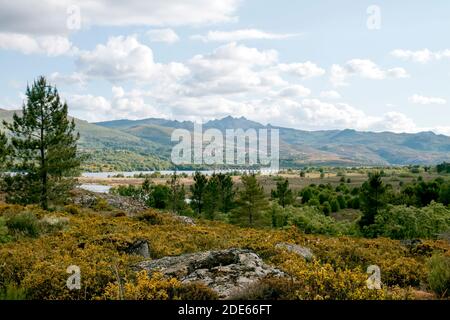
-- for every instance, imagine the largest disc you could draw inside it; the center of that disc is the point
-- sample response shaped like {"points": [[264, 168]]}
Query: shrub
{"points": [[12, 292], [311, 220], [145, 287], [72, 209], [270, 289], [401, 222], [196, 291], [151, 217], [24, 223], [4, 235], [439, 274]]}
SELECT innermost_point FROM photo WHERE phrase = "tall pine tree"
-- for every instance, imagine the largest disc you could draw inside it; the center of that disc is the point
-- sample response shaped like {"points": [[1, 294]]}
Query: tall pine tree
{"points": [[4, 151], [283, 193], [44, 148], [198, 192], [251, 203]]}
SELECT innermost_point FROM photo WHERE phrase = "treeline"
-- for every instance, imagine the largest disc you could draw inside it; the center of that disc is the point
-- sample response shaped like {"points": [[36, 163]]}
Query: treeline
{"points": [[417, 210]]}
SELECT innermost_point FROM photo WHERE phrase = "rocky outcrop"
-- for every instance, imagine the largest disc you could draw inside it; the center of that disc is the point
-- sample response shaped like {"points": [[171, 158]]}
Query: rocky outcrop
{"points": [[184, 220], [139, 247], [90, 200], [297, 249], [225, 271]]}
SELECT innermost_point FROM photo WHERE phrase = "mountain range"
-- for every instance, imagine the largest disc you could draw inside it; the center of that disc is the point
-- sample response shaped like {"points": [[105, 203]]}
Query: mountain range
{"points": [[146, 144]]}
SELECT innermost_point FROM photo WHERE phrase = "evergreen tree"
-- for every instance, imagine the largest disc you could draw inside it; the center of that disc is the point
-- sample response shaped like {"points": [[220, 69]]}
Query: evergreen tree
{"points": [[4, 151], [372, 198], [44, 149], [226, 193], [212, 197], [251, 202], [176, 195], [283, 193], [198, 192]]}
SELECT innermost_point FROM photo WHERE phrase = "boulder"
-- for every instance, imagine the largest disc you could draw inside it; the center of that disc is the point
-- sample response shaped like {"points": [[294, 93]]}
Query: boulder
{"points": [[139, 247], [306, 253], [184, 220], [225, 271]]}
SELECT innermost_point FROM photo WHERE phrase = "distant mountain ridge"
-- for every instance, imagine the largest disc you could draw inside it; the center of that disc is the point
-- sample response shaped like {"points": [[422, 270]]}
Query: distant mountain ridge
{"points": [[151, 137], [331, 147]]}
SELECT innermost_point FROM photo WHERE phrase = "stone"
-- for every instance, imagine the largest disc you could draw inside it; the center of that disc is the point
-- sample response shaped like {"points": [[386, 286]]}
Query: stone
{"points": [[184, 220], [139, 247], [224, 271], [306, 253]]}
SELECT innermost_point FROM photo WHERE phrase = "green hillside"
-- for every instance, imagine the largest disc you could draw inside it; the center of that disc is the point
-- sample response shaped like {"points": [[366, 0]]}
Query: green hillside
{"points": [[145, 144]]}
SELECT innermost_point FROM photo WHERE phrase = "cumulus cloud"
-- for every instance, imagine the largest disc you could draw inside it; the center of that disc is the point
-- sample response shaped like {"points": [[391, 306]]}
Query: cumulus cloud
{"points": [[163, 35], [231, 69], [304, 70], [49, 45], [294, 91], [124, 58], [420, 56], [363, 68], [242, 34], [130, 105], [419, 99], [50, 17], [45, 28]]}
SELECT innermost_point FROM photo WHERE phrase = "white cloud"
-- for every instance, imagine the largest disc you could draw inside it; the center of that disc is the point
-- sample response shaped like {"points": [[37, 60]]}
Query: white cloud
{"points": [[294, 91], [123, 58], [331, 94], [419, 99], [49, 45], [420, 56], [129, 105], [50, 17], [72, 79], [232, 69], [45, 28], [303, 70], [363, 68], [242, 34], [163, 35]]}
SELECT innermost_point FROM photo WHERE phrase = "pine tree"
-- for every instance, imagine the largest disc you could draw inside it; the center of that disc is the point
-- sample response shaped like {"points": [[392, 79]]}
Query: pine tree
{"points": [[4, 151], [177, 194], [44, 148], [198, 192], [226, 193], [372, 198], [283, 193], [251, 203], [212, 197]]}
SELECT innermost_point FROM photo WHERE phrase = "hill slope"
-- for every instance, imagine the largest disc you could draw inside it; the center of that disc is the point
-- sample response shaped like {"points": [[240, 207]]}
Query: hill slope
{"points": [[330, 147], [145, 144]]}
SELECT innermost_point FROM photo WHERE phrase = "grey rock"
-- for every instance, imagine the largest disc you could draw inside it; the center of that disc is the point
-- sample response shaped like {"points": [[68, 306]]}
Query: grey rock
{"points": [[225, 271], [306, 253], [184, 220], [139, 247]]}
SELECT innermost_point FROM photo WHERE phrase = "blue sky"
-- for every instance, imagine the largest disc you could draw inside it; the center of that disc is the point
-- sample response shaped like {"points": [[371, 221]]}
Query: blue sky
{"points": [[367, 65]]}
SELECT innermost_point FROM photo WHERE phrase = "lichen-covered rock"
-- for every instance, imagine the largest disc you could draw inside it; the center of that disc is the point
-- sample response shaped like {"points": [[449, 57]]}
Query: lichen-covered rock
{"points": [[184, 220], [88, 199], [306, 253], [225, 271], [139, 247]]}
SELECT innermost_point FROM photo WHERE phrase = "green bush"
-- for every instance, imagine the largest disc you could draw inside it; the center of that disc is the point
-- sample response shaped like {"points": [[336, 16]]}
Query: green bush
{"points": [[402, 222], [439, 275], [24, 223], [12, 292], [4, 234], [312, 221]]}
